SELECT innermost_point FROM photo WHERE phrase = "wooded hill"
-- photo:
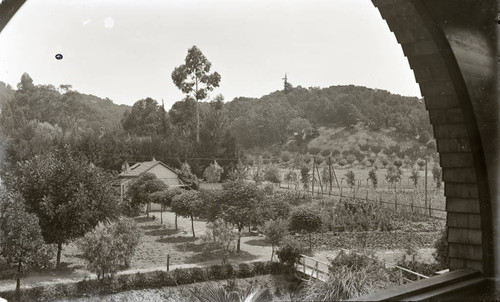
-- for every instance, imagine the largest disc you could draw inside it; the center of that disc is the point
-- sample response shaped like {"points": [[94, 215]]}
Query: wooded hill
{"points": [[35, 119], [278, 117]]}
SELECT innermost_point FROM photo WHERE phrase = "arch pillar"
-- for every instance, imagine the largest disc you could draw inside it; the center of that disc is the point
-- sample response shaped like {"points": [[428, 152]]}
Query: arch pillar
{"points": [[451, 46]]}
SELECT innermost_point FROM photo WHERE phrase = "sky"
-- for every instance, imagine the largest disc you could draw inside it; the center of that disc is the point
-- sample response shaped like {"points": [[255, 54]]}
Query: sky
{"points": [[126, 50]]}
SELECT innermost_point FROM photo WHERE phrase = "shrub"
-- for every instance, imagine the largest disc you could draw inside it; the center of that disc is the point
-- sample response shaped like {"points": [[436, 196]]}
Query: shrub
{"points": [[275, 231], [306, 219], [325, 152], [213, 172], [244, 271], [314, 150], [372, 175], [198, 274], [108, 246], [289, 252], [260, 268], [441, 252], [436, 175], [362, 216], [272, 175], [217, 272], [182, 276], [350, 178], [351, 275]]}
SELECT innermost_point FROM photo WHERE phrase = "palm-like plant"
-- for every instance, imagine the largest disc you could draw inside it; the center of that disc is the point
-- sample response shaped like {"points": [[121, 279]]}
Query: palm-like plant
{"points": [[214, 293]]}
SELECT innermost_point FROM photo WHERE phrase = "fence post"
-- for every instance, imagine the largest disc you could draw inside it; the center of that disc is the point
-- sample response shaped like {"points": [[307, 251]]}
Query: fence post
{"points": [[430, 210], [312, 184], [425, 182]]}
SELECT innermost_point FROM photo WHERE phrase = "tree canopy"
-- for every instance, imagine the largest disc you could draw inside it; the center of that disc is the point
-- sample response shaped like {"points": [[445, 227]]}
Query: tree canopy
{"points": [[69, 195]]}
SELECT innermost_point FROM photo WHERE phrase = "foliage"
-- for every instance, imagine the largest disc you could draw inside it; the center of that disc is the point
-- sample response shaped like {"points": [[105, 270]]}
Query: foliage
{"points": [[351, 276], [144, 118], [69, 195], [109, 246], [291, 178], [372, 175], [240, 171], [393, 175], [289, 252], [275, 231], [436, 175], [272, 175], [21, 241], [441, 252], [188, 204], [213, 172], [222, 235], [187, 176], [398, 163], [415, 176], [153, 279], [304, 176], [361, 216], [140, 189], [193, 78], [305, 219], [240, 204], [350, 178], [212, 293]]}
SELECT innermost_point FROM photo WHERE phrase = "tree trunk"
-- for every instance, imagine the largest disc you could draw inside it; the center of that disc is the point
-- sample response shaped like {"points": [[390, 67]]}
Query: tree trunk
{"points": [[310, 242], [272, 252], [197, 112], [176, 221], [192, 226], [239, 239], [18, 281], [161, 214], [59, 249], [147, 210]]}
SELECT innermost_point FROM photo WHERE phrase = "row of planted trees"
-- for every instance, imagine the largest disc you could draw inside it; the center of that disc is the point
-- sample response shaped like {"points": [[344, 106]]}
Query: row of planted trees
{"points": [[239, 205]]}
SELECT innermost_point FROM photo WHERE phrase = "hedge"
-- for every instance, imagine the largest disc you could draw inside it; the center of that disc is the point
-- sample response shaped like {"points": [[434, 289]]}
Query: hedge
{"points": [[154, 279]]}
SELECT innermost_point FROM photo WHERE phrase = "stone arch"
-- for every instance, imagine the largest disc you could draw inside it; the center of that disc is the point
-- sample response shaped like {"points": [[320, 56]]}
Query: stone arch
{"points": [[451, 48]]}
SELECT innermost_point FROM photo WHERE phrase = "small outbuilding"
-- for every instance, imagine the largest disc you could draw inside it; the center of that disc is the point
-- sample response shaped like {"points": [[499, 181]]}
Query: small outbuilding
{"points": [[161, 170]]}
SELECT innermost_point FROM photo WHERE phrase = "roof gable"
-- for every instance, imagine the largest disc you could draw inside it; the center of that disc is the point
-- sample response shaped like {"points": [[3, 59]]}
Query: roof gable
{"points": [[142, 167]]}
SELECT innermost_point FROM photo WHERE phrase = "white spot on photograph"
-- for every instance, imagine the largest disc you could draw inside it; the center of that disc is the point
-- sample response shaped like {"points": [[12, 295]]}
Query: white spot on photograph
{"points": [[109, 22]]}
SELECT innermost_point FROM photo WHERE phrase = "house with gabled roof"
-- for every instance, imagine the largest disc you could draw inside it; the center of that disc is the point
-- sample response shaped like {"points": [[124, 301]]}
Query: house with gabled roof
{"points": [[161, 170]]}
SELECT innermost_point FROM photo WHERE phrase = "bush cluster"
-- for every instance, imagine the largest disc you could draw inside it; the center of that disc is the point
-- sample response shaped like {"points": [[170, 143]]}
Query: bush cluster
{"points": [[361, 216], [94, 287]]}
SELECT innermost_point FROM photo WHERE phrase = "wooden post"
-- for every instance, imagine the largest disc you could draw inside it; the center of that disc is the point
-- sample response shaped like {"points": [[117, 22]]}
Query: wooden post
{"points": [[168, 262], [430, 206], [319, 178], [425, 182], [312, 184], [330, 172]]}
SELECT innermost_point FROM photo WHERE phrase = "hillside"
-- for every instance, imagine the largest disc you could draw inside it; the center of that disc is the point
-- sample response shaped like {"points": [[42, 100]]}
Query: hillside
{"points": [[343, 138], [321, 117], [62, 107]]}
